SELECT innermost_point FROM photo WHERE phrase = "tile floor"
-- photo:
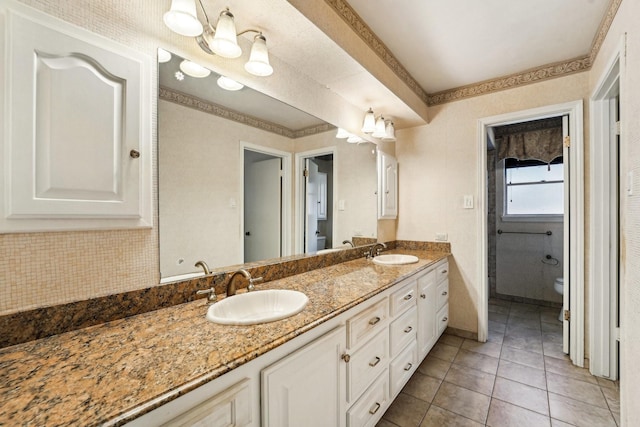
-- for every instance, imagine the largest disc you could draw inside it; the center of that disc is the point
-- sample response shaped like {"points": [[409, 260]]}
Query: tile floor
{"points": [[519, 377]]}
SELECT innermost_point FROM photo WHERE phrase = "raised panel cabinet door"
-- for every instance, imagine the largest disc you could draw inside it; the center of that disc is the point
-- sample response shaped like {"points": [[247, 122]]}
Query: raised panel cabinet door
{"points": [[78, 140], [387, 186], [427, 300], [307, 388]]}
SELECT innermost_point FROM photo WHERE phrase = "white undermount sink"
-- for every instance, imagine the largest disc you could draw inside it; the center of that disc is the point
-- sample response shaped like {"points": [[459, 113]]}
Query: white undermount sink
{"points": [[256, 307], [395, 259]]}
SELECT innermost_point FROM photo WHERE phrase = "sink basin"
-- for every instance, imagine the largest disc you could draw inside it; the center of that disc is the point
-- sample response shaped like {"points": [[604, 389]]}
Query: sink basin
{"points": [[395, 259], [256, 307]]}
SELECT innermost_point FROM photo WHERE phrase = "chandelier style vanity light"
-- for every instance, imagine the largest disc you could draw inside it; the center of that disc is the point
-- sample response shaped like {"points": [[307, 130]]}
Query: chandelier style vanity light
{"points": [[221, 40], [378, 128]]}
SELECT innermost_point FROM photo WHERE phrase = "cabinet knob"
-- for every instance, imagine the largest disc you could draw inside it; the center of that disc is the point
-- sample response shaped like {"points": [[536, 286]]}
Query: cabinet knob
{"points": [[134, 154], [374, 320], [444, 319], [444, 292], [423, 296], [375, 361], [408, 367], [444, 272], [374, 409], [408, 297], [408, 329], [346, 358]]}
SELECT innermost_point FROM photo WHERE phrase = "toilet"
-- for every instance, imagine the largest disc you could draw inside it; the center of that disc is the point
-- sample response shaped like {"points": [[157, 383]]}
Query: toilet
{"points": [[558, 285]]}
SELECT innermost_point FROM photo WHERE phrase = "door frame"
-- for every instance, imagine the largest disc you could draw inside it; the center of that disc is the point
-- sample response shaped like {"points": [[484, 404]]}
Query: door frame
{"points": [[286, 194], [574, 110], [301, 196], [604, 271]]}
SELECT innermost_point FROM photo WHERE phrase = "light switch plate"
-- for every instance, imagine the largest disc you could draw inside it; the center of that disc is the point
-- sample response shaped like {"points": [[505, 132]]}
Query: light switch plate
{"points": [[467, 202], [441, 237]]}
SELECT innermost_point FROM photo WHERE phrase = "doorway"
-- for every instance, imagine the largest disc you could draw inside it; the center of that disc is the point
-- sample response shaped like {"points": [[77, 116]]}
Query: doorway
{"points": [[574, 220], [266, 198]]}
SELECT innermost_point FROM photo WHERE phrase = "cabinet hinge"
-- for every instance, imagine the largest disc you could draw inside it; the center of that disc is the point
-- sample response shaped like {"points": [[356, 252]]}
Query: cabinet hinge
{"points": [[567, 141], [567, 315], [618, 127], [305, 173]]}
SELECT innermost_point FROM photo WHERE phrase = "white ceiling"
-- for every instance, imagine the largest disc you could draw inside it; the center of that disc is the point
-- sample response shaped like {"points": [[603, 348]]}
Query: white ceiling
{"points": [[446, 44]]}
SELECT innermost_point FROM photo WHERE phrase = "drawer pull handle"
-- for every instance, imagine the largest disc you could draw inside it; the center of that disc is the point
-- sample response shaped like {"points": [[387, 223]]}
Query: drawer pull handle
{"points": [[346, 358], [408, 329], [443, 272], [423, 296], [408, 297], [374, 409], [408, 367], [445, 318], [444, 293], [374, 320], [375, 362]]}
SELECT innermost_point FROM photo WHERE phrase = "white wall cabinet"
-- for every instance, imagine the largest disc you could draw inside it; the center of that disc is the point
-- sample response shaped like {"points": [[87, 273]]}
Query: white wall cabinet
{"points": [[387, 186], [77, 138]]}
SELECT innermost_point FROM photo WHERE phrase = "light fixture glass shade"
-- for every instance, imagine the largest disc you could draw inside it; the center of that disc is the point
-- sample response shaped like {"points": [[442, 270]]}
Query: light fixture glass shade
{"points": [[225, 41], [258, 64], [342, 134], [229, 84], [182, 18], [390, 132], [194, 70], [380, 130], [369, 124], [354, 139], [163, 56]]}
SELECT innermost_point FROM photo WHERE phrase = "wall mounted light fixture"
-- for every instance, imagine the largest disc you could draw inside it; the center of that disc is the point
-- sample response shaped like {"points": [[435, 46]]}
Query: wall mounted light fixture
{"points": [[378, 128], [221, 40]]}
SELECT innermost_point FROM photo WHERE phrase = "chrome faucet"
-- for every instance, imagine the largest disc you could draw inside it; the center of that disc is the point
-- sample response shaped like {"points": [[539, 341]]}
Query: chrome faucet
{"points": [[375, 250], [231, 287], [348, 242], [204, 266]]}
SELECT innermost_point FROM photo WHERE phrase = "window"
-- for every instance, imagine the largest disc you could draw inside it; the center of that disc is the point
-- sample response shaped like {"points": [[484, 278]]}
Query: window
{"points": [[533, 187]]}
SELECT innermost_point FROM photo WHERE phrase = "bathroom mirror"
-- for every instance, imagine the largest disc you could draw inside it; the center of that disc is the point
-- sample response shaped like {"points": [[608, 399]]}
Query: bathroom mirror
{"points": [[230, 176]]}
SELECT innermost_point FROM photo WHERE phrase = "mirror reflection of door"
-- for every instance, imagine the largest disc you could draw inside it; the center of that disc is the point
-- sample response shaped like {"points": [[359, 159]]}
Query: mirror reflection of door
{"points": [[311, 217], [262, 206], [318, 203]]}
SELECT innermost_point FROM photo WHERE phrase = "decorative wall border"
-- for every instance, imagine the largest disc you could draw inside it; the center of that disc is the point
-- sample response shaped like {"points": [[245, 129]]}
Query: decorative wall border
{"points": [[208, 107], [537, 74]]}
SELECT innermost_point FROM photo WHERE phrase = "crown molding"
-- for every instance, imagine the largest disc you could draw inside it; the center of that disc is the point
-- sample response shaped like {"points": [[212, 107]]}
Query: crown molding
{"points": [[534, 75], [208, 107]]}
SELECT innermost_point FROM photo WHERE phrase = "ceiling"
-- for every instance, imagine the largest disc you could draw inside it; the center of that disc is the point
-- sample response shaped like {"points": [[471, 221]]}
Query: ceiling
{"points": [[442, 44]]}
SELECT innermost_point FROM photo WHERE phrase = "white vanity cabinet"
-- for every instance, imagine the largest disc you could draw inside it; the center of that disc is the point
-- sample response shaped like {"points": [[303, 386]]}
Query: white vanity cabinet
{"points": [[442, 295], [387, 186], [427, 313], [77, 111]]}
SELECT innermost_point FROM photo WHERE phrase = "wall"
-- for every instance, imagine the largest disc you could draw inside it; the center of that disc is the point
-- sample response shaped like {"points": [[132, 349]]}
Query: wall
{"points": [[626, 22], [439, 164]]}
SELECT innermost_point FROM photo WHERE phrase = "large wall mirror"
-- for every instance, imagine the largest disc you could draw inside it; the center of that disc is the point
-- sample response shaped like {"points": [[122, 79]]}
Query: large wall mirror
{"points": [[244, 177]]}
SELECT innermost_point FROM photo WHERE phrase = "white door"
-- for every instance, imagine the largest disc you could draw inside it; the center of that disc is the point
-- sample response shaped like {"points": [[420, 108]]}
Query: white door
{"points": [[567, 237], [311, 217], [262, 210]]}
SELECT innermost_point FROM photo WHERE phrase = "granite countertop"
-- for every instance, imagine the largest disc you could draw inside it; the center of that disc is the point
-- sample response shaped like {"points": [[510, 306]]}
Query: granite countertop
{"points": [[111, 373]]}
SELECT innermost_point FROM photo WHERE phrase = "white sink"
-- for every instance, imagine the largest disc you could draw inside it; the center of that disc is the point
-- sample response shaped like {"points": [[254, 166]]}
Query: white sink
{"points": [[256, 307], [395, 259]]}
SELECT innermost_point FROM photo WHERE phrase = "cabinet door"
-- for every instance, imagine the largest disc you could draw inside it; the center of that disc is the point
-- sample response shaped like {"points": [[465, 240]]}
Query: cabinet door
{"points": [[78, 142], [387, 186], [427, 328], [307, 388]]}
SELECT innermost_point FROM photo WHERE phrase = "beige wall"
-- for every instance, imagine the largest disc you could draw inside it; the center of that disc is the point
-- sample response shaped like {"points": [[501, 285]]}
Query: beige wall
{"points": [[626, 21], [439, 164]]}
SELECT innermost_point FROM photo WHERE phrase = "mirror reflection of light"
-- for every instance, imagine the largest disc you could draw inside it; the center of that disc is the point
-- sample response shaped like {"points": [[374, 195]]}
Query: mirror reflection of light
{"points": [[229, 84], [179, 76], [163, 56], [194, 70]]}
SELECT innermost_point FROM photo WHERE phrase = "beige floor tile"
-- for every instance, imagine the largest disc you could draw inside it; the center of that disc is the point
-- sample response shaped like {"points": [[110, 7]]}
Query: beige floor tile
{"points": [[519, 307], [612, 397], [495, 308], [522, 374], [434, 367], [470, 378], [438, 417], [576, 389], [524, 330], [486, 348], [553, 350], [551, 327], [444, 352], [521, 395], [605, 383], [579, 413], [550, 316], [566, 368], [498, 317], [523, 357], [422, 386], [527, 343], [406, 411], [551, 337], [497, 327], [500, 302], [451, 340], [463, 402], [503, 414], [385, 423], [558, 423], [495, 337], [525, 317], [478, 361]]}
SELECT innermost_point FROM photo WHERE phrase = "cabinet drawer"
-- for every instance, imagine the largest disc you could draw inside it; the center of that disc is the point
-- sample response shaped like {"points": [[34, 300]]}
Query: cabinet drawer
{"points": [[443, 319], [231, 407], [443, 293], [367, 323], [442, 271], [366, 364], [370, 407], [402, 367], [403, 298], [403, 330]]}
